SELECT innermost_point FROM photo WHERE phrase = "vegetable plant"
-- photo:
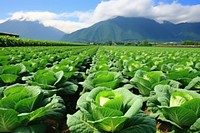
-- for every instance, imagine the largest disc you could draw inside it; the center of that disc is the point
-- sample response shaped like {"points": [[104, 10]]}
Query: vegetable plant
{"points": [[20, 105], [105, 110], [100, 66], [4, 59], [179, 107], [183, 74], [194, 84], [103, 79], [10, 74], [132, 66], [31, 66], [68, 70], [52, 82], [146, 81]]}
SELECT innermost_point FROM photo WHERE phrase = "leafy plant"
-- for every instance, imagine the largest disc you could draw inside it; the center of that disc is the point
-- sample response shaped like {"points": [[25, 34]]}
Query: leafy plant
{"points": [[22, 104], [194, 84], [179, 107], [30, 66], [103, 79], [146, 81], [100, 66], [183, 74], [52, 82], [67, 69], [106, 110], [13, 41], [197, 66], [4, 60], [132, 66], [11, 73]]}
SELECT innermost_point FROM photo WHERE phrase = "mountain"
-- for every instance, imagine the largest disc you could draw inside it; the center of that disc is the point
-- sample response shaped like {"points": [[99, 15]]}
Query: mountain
{"points": [[135, 29], [31, 30]]}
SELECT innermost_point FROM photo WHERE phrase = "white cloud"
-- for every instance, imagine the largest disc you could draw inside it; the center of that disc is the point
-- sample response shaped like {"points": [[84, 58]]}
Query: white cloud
{"points": [[33, 16], [174, 12], [128, 8], [71, 21], [66, 26], [3, 20], [63, 21]]}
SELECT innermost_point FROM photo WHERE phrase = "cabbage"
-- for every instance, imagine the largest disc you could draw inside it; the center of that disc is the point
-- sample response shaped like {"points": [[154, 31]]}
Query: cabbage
{"points": [[106, 110]]}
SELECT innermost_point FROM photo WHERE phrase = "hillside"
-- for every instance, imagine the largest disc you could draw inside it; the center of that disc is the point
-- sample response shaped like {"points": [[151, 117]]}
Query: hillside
{"points": [[31, 30], [135, 29]]}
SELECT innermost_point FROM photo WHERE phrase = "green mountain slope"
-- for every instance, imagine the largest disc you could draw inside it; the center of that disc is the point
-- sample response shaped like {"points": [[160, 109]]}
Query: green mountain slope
{"points": [[31, 30], [135, 29]]}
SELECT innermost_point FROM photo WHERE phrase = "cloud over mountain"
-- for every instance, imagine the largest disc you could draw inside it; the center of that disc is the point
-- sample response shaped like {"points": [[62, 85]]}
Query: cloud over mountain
{"points": [[71, 21]]}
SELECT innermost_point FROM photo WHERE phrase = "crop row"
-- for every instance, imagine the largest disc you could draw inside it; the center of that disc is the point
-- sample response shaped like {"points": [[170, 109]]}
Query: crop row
{"points": [[7, 41], [164, 82], [99, 89], [35, 84]]}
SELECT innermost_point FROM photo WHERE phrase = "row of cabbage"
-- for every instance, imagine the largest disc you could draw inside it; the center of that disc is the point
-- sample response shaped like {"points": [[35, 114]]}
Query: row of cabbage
{"points": [[35, 83], [121, 86], [8, 41], [18, 62], [123, 82], [169, 81], [106, 104]]}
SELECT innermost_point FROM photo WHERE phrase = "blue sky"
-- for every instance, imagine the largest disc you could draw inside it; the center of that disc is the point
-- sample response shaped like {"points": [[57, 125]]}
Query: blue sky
{"points": [[57, 6], [71, 15]]}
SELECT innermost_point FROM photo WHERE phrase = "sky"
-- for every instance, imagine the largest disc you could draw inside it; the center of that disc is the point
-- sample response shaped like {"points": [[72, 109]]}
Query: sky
{"points": [[72, 15]]}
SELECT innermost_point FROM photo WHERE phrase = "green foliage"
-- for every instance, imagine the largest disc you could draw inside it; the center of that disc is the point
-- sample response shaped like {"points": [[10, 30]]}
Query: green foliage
{"points": [[182, 73], [107, 110], [131, 66], [146, 81], [194, 84], [9, 74], [157, 73], [52, 82], [23, 104], [7, 41], [177, 106], [135, 29], [190, 42], [103, 79], [40, 128]]}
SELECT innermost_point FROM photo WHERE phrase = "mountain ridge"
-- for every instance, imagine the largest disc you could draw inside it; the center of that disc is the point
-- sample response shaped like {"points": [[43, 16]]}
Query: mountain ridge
{"points": [[135, 29], [31, 30]]}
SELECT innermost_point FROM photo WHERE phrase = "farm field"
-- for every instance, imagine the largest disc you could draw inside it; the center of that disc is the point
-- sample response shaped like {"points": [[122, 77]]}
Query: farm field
{"points": [[99, 89]]}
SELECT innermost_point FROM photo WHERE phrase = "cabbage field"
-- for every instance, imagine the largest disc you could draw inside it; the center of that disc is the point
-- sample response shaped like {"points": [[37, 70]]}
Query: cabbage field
{"points": [[99, 89]]}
